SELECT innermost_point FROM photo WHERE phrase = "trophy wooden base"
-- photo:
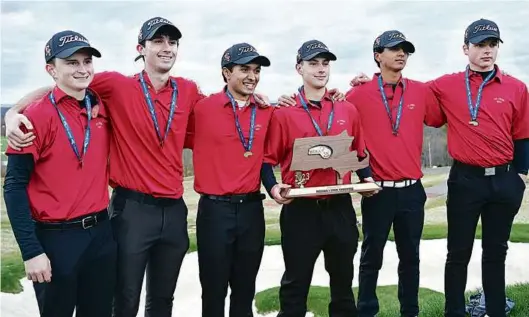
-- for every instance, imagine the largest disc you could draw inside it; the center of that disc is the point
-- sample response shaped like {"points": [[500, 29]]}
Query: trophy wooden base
{"points": [[330, 190]]}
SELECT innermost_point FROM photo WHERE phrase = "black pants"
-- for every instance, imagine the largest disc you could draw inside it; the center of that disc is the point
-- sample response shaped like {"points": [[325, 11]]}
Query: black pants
{"points": [[83, 264], [497, 200], [309, 226], [152, 235], [402, 208], [230, 242]]}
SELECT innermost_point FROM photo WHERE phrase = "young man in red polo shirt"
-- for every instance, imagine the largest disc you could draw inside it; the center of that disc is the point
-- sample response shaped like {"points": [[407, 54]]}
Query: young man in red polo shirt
{"points": [[149, 113], [56, 190], [393, 111], [227, 134], [488, 136], [310, 225]]}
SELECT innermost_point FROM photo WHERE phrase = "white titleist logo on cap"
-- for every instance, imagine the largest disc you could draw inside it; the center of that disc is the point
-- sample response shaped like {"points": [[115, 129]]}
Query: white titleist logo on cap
{"points": [[397, 35], [485, 27], [71, 38], [246, 49], [314, 46], [153, 22]]}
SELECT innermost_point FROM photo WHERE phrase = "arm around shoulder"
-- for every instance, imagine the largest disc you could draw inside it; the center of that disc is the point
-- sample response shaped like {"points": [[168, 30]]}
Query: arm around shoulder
{"points": [[434, 115], [104, 83], [25, 101], [19, 129]]}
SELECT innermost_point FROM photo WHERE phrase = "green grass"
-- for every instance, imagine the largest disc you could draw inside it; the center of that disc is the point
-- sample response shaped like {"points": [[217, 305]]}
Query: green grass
{"points": [[12, 267], [432, 180], [435, 202], [3, 146], [519, 293], [3, 143], [12, 272], [431, 303], [519, 233]]}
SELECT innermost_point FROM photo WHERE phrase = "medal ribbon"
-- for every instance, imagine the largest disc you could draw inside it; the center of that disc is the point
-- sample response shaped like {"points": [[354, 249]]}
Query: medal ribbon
{"points": [[314, 123], [247, 146], [471, 107], [153, 113], [69, 133], [394, 125]]}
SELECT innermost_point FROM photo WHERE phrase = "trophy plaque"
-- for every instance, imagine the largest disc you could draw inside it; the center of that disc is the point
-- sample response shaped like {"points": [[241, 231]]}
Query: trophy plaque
{"points": [[326, 152]]}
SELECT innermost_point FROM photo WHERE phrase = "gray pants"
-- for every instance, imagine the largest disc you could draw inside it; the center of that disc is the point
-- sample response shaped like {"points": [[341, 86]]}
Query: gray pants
{"points": [[151, 234]]}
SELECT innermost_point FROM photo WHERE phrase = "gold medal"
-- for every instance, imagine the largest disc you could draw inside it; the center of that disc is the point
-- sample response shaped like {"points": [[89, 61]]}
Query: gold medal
{"points": [[248, 154], [473, 122]]}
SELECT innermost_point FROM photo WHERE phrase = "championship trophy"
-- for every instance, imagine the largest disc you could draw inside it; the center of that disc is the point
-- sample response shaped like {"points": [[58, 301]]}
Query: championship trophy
{"points": [[326, 152]]}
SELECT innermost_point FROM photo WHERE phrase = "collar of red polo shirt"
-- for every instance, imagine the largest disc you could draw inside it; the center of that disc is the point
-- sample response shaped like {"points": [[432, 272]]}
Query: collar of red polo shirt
{"points": [[326, 96], [97, 109], [497, 76], [251, 100], [401, 81]]}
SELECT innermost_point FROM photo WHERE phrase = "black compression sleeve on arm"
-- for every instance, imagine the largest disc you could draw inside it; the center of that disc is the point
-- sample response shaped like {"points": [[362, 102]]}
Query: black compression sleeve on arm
{"points": [[19, 169], [521, 156], [268, 178], [364, 173]]}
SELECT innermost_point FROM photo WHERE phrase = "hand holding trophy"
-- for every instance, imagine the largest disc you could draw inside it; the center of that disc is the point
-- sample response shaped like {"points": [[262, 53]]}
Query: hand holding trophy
{"points": [[326, 152]]}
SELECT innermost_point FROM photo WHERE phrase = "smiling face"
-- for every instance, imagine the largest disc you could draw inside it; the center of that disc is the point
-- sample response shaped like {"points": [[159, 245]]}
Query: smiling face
{"points": [[482, 56], [159, 52], [315, 72], [392, 58], [242, 79], [75, 72]]}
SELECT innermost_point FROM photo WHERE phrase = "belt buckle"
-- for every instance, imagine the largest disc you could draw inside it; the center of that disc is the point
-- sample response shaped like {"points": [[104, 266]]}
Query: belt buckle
{"points": [[489, 171], [86, 226]]}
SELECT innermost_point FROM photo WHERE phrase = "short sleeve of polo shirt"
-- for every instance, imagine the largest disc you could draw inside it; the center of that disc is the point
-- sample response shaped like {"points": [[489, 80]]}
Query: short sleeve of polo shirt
{"points": [[189, 141], [40, 130], [434, 87], [197, 96], [103, 83], [275, 142], [520, 125], [358, 144], [197, 93], [434, 116], [350, 96]]}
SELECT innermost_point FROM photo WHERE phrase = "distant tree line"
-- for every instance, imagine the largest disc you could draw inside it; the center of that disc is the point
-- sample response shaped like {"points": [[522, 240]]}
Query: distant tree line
{"points": [[434, 152]]}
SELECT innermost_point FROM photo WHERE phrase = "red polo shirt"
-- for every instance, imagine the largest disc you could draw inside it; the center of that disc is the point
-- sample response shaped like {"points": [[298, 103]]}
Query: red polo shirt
{"points": [[218, 154], [59, 189], [290, 123], [137, 161], [395, 157], [503, 117]]}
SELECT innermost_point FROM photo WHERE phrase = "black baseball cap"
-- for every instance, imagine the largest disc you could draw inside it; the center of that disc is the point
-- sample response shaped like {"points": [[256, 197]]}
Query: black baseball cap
{"points": [[312, 49], [66, 43], [480, 30], [241, 54], [392, 38], [151, 26]]}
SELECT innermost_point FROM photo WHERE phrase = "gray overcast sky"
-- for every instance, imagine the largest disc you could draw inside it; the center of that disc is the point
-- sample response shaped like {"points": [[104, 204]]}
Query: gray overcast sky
{"points": [[276, 28]]}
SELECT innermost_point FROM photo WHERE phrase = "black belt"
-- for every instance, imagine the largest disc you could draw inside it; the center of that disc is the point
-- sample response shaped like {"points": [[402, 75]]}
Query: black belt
{"points": [[483, 171], [83, 222], [237, 198], [145, 198]]}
